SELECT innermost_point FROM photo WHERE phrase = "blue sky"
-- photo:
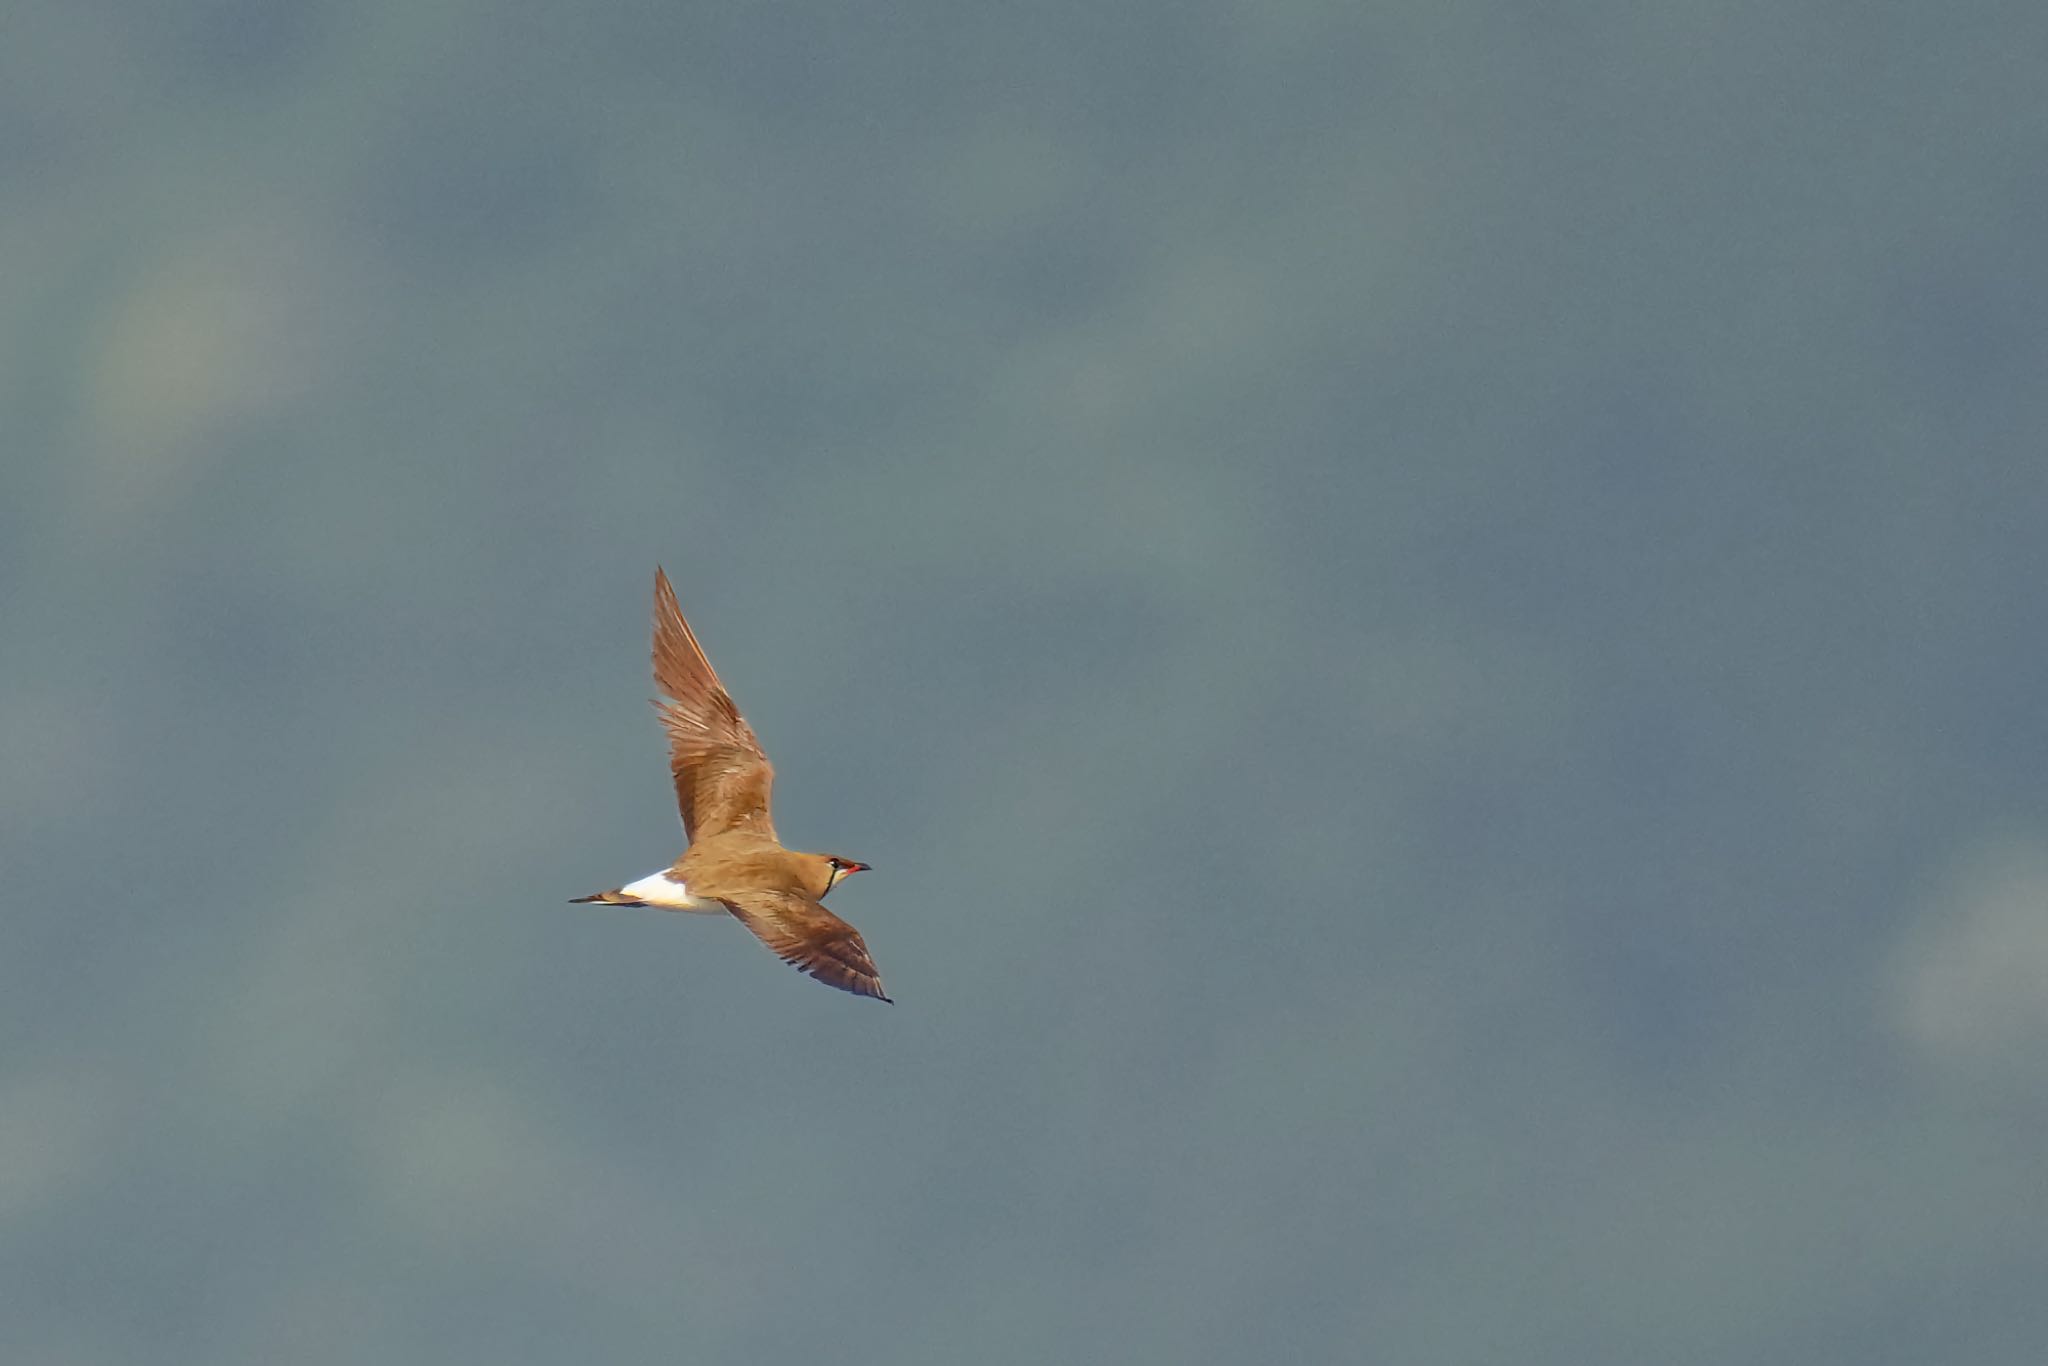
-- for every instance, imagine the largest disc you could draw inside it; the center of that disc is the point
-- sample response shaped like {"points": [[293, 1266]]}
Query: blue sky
{"points": [[1428, 613]]}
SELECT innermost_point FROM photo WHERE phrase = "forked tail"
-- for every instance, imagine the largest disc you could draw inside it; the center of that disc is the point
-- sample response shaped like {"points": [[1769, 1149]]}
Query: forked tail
{"points": [[617, 896]]}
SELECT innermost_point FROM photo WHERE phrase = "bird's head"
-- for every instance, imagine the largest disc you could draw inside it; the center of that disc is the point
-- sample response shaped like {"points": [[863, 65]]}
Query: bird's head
{"points": [[839, 869]]}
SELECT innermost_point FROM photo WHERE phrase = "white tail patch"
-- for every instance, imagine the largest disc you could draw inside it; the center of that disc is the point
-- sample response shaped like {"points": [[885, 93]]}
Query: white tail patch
{"points": [[659, 889]]}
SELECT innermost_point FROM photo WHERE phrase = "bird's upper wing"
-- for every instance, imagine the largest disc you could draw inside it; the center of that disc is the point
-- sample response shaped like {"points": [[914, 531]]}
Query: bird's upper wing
{"points": [[722, 777], [810, 939]]}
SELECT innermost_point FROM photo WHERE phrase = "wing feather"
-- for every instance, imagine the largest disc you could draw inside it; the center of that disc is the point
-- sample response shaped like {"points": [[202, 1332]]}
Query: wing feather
{"points": [[810, 939], [723, 779]]}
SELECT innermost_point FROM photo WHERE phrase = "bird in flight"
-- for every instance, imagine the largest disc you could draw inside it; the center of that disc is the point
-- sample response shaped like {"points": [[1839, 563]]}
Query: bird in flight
{"points": [[734, 863]]}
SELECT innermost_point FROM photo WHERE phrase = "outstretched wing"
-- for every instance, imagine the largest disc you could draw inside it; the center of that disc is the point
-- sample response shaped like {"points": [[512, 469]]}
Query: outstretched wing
{"points": [[810, 939], [722, 777]]}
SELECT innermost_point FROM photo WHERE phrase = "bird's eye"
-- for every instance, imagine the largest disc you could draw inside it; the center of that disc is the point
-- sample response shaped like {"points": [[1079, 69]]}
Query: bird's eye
{"points": [[836, 862]]}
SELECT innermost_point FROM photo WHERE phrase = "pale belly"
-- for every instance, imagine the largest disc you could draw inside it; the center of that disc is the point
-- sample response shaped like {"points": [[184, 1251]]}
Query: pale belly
{"points": [[659, 889]]}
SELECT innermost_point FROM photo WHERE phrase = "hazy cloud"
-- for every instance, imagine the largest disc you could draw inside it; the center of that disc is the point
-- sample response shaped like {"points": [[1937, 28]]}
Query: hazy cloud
{"points": [[1973, 977]]}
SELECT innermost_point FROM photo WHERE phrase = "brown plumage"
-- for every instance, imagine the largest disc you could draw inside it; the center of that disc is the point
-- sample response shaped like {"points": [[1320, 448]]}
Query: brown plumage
{"points": [[722, 777], [735, 863]]}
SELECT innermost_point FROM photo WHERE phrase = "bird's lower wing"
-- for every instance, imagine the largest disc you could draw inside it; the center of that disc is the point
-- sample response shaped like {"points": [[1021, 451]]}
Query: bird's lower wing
{"points": [[810, 939]]}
